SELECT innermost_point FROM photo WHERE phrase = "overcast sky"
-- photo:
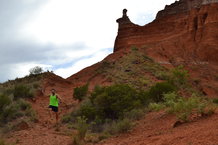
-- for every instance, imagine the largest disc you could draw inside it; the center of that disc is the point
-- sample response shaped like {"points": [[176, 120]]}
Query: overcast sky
{"points": [[63, 35]]}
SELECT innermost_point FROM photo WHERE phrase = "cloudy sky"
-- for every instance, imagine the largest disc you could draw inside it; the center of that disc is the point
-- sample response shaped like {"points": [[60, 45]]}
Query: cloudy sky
{"points": [[63, 35]]}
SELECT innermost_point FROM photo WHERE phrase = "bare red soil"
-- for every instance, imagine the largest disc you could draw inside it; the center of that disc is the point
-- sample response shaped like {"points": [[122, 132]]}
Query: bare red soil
{"points": [[178, 36], [157, 129]]}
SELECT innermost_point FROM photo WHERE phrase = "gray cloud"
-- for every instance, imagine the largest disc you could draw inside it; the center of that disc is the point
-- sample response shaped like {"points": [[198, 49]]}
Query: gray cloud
{"points": [[19, 51], [13, 50]]}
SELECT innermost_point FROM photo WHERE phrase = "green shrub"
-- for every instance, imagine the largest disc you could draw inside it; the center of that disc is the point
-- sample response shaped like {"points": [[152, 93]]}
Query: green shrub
{"points": [[4, 101], [22, 91], [134, 114], [215, 100], [23, 105], [82, 127], [133, 48], [116, 127], [77, 140], [111, 102], [36, 70], [184, 108], [80, 92], [159, 89], [66, 118], [87, 110], [161, 75], [179, 76], [2, 142], [31, 114], [13, 109], [36, 85], [123, 125], [156, 106], [10, 113]]}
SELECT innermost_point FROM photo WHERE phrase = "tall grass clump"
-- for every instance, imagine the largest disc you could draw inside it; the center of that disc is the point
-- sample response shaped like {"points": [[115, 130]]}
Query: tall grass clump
{"points": [[22, 91], [185, 108], [157, 91], [12, 109], [179, 76]]}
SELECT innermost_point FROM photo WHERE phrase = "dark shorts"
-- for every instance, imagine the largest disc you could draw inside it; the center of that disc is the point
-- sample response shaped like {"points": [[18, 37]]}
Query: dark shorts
{"points": [[53, 108]]}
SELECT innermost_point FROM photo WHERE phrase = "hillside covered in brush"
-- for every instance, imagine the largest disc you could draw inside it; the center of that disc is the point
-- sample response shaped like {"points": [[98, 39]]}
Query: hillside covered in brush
{"points": [[159, 86]]}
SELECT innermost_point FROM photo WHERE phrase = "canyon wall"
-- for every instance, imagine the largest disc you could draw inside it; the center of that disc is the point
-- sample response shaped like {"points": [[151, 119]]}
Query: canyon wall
{"points": [[187, 30]]}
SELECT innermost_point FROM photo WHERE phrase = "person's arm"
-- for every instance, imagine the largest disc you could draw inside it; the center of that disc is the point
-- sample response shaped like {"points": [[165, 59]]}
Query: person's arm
{"points": [[59, 97]]}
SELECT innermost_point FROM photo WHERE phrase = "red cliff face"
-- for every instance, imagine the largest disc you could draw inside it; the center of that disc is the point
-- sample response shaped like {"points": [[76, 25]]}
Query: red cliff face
{"points": [[185, 31]]}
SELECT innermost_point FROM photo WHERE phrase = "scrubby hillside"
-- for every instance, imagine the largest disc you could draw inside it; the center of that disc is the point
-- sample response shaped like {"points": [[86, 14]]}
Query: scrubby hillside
{"points": [[169, 65]]}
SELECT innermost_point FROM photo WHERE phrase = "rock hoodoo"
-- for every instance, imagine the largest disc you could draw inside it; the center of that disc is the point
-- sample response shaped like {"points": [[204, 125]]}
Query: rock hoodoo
{"points": [[186, 30]]}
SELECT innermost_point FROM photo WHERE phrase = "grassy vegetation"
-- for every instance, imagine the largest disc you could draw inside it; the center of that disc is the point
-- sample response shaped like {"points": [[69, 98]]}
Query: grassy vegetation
{"points": [[185, 108], [140, 85], [13, 107], [112, 110], [2, 142], [135, 69], [80, 92]]}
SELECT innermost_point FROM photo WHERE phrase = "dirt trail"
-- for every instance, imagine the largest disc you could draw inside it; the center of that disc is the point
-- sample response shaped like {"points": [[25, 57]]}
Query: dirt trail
{"points": [[44, 131], [157, 129]]}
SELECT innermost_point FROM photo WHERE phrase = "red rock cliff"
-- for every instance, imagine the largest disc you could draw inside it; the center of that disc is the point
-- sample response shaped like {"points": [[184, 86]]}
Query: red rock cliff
{"points": [[187, 30]]}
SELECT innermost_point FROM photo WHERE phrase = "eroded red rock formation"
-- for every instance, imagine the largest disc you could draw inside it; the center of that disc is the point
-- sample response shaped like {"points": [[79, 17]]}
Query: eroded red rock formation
{"points": [[187, 30]]}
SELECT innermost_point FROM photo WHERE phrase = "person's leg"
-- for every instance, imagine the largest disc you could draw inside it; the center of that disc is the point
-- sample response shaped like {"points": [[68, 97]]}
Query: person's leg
{"points": [[57, 117], [50, 112]]}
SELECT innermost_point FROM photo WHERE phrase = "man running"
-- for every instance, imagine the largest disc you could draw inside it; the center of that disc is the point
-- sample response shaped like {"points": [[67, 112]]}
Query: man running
{"points": [[53, 103]]}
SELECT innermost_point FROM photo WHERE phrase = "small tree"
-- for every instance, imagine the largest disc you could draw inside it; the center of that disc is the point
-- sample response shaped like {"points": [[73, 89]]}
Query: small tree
{"points": [[80, 92], [36, 70]]}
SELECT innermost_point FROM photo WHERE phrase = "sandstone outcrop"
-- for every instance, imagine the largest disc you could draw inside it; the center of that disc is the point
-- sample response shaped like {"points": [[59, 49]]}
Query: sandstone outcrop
{"points": [[184, 33], [186, 30]]}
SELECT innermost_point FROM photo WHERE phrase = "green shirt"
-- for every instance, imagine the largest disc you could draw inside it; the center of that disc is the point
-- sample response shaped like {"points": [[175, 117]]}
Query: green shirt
{"points": [[53, 100]]}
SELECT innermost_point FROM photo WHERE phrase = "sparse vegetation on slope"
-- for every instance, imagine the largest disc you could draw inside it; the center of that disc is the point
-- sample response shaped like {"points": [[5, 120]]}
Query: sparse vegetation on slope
{"points": [[185, 108], [113, 109], [13, 107], [134, 69]]}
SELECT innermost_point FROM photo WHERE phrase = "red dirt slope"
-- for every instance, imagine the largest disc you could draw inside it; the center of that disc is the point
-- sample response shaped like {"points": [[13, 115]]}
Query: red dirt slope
{"points": [[157, 129]]}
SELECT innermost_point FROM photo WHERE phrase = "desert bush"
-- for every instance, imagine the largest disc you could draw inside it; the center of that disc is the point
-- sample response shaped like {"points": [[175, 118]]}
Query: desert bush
{"points": [[111, 102], [9, 113], [157, 91], [22, 91], [124, 125], [77, 141], [215, 100], [36, 85], [184, 108], [66, 118], [23, 105], [4, 101], [119, 126], [13, 109], [162, 75], [36, 70], [2, 142], [134, 114], [133, 48], [80, 92], [156, 106], [87, 110], [82, 127], [179, 76]]}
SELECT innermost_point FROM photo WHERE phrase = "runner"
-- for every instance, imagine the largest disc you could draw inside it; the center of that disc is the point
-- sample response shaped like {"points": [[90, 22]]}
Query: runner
{"points": [[53, 104]]}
